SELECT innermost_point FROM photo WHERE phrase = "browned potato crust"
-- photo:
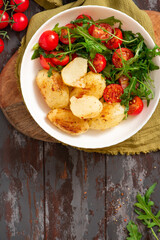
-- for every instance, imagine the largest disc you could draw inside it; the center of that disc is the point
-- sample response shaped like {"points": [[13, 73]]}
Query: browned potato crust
{"points": [[94, 86], [54, 91], [66, 121], [111, 115]]}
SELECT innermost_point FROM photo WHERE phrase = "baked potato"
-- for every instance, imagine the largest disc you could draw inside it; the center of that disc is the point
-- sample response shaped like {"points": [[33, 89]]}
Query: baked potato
{"points": [[94, 86], [110, 116], [73, 72], [85, 107], [66, 121], [54, 91]]}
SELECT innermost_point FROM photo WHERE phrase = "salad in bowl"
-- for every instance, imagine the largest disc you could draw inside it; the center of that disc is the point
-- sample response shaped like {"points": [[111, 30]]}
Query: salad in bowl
{"points": [[93, 74]]}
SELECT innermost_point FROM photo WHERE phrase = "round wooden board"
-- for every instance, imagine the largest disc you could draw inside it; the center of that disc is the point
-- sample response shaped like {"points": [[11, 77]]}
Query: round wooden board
{"points": [[11, 100]]}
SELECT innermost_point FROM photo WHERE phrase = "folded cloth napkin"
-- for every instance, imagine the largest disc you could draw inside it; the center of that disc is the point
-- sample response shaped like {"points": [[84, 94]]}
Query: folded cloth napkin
{"points": [[147, 139]]}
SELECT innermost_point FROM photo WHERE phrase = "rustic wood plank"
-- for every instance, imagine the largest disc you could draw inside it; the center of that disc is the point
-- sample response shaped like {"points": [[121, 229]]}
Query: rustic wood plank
{"points": [[21, 185], [126, 176], [74, 193]]}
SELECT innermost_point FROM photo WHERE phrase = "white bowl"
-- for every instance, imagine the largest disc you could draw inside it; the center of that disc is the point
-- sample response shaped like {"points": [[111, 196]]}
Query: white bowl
{"points": [[38, 108]]}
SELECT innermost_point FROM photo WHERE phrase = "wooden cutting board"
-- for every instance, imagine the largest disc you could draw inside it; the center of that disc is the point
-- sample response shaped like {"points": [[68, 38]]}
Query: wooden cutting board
{"points": [[11, 101]]}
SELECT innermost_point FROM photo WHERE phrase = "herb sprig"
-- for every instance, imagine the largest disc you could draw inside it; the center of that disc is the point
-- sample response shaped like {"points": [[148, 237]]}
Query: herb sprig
{"points": [[143, 208]]}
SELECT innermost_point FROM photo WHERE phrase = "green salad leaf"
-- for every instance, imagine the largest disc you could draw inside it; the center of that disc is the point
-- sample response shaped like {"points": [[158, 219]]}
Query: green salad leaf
{"points": [[134, 234]]}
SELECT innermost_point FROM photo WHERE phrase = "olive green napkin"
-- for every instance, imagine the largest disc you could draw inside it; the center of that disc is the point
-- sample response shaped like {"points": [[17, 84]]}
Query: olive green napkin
{"points": [[147, 139]]}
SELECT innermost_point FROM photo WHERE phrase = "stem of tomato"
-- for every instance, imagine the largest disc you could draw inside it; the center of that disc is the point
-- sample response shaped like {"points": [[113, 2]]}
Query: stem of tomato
{"points": [[5, 8]]}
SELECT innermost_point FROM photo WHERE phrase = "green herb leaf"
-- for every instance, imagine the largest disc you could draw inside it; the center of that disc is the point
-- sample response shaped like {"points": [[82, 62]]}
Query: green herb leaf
{"points": [[91, 43], [149, 192], [50, 71], [134, 234], [36, 54], [36, 46], [144, 210], [110, 20]]}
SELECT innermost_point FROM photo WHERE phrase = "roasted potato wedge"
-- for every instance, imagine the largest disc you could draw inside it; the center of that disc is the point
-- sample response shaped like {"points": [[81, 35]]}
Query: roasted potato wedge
{"points": [[54, 91], [111, 115], [94, 86], [66, 121], [73, 72], [85, 107]]}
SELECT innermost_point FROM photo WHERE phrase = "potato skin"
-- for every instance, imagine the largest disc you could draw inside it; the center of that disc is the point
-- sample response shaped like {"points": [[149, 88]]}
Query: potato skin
{"points": [[54, 91], [111, 115], [94, 86], [85, 107], [66, 121]]}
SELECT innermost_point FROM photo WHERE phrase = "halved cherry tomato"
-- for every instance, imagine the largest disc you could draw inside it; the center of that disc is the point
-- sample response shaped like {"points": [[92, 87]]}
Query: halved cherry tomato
{"points": [[1, 3], [82, 16], [4, 20], [48, 40], [99, 62], [22, 7], [99, 33], [64, 34], [112, 93], [45, 62], [20, 22], [1, 45], [123, 81], [135, 106], [58, 61], [74, 55], [124, 53], [115, 42]]}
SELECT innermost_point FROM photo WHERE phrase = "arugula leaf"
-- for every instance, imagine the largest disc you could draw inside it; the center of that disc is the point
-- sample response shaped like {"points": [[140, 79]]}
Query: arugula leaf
{"points": [[110, 20], [36, 46], [144, 204], [36, 54], [57, 29], [149, 192], [144, 210], [50, 71], [91, 43], [133, 231]]}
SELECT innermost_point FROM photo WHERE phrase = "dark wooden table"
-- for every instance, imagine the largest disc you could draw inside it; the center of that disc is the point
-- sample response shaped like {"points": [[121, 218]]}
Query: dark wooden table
{"points": [[51, 191]]}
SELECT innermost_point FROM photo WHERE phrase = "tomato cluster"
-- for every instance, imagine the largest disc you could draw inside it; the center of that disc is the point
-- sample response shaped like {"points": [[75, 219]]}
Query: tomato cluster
{"points": [[18, 22], [112, 38]]}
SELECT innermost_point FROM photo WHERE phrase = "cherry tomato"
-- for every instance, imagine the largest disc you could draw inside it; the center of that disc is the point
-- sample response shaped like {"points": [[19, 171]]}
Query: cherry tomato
{"points": [[64, 34], [112, 93], [123, 81], [1, 45], [99, 62], [99, 33], [58, 61], [74, 55], [135, 106], [1, 3], [4, 20], [45, 62], [115, 42], [20, 22], [124, 53], [82, 16], [23, 5], [48, 40]]}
